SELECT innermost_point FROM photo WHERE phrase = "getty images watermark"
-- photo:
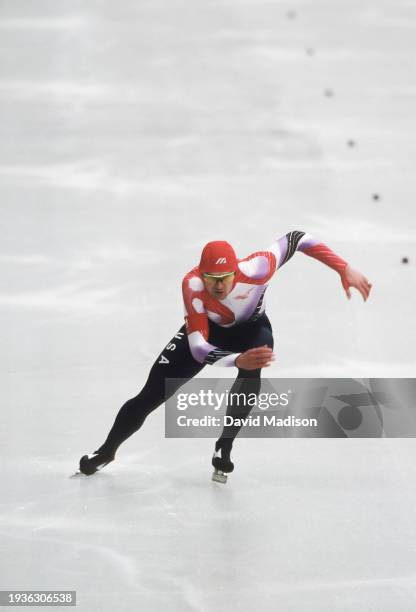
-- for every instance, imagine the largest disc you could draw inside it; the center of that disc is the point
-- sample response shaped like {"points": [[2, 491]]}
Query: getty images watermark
{"points": [[295, 407], [244, 409]]}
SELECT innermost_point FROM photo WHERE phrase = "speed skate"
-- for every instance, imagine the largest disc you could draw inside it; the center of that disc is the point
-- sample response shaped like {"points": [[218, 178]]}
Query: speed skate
{"points": [[219, 476], [221, 462]]}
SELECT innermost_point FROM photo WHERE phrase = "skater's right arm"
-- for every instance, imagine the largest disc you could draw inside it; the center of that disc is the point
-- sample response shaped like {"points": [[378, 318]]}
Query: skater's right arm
{"points": [[255, 358], [197, 326]]}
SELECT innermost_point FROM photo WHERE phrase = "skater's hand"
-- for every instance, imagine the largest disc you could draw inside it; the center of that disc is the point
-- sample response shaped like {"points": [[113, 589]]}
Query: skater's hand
{"points": [[354, 278], [255, 358]]}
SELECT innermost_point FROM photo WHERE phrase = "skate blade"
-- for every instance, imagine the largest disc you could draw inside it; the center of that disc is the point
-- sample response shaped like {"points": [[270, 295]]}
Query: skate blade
{"points": [[219, 476], [76, 474]]}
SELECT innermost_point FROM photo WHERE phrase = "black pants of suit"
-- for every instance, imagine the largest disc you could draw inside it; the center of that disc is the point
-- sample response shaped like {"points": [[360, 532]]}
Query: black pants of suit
{"points": [[176, 361]]}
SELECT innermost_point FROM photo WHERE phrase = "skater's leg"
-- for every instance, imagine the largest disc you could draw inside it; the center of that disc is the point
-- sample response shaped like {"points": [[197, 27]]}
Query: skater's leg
{"points": [[248, 382], [174, 362], [246, 386]]}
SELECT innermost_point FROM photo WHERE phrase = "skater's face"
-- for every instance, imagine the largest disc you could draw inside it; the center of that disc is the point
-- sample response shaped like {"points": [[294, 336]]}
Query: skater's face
{"points": [[220, 285]]}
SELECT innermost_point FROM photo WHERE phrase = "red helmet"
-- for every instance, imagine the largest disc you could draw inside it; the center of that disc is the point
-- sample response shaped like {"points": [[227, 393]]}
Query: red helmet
{"points": [[218, 257]]}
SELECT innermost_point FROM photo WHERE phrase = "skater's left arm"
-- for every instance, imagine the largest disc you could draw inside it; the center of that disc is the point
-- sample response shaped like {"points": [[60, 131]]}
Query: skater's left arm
{"points": [[285, 247], [354, 278]]}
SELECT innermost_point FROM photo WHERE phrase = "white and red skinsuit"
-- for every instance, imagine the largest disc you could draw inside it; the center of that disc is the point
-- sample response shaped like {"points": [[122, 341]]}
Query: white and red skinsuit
{"points": [[245, 302]]}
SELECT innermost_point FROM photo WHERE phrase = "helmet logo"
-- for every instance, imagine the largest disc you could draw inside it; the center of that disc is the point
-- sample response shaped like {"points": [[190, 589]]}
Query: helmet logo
{"points": [[221, 260]]}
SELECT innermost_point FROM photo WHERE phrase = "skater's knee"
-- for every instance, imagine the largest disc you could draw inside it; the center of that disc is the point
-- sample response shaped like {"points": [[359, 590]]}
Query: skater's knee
{"points": [[139, 405], [264, 339], [131, 404]]}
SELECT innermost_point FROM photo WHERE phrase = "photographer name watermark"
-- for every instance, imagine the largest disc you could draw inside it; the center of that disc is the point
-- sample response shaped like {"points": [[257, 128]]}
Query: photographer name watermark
{"points": [[259, 420]]}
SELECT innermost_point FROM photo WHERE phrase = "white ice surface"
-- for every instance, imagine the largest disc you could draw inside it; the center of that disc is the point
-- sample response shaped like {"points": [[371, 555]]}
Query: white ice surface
{"points": [[131, 134]]}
